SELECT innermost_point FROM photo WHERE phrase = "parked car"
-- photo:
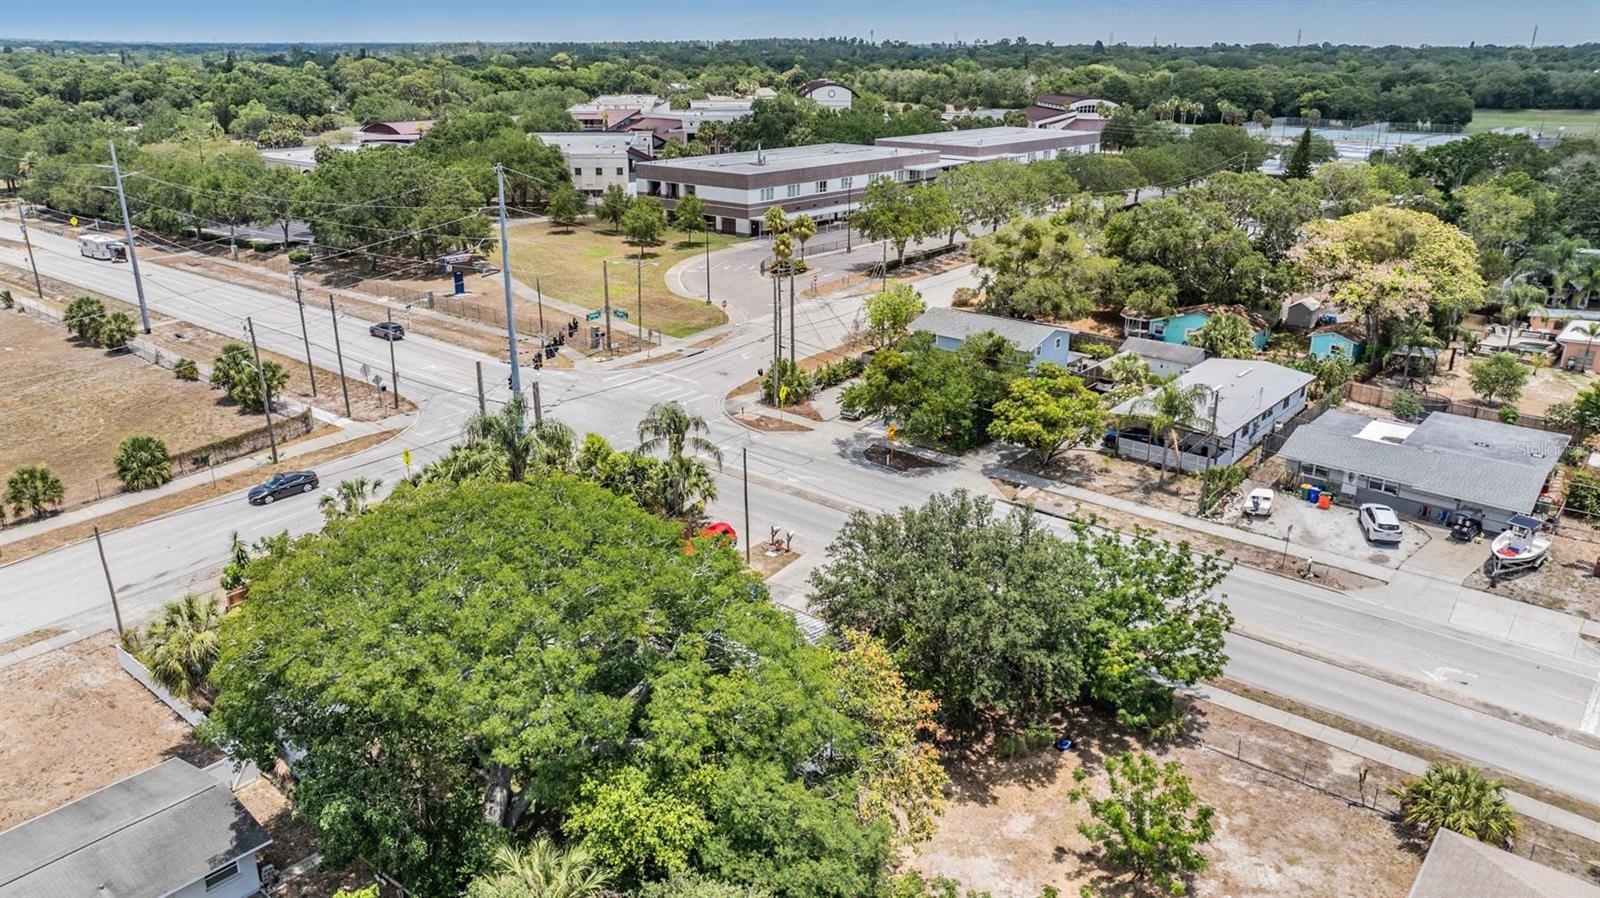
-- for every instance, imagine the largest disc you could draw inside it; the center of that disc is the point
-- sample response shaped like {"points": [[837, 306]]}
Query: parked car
{"points": [[1380, 524], [387, 330], [278, 486]]}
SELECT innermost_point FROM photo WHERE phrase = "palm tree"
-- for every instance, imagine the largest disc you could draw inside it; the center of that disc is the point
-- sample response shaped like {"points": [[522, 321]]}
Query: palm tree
{"points": [[350, 498], [1410, 334], [680, 488], [1170, 410], [180, 646], [1458, 797], [670, 425], [506, 431], [1518, 300], [33, 488], [541, 870], [142, 462], [1554, 263], [803, 227]]}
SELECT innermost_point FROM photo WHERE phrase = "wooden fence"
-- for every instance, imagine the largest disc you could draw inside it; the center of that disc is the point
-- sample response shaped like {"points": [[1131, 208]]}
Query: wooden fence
{"points": [[1383, 397]]}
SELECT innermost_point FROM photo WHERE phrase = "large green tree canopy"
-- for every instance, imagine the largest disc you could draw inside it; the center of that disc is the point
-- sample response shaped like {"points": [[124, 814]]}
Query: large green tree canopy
{"points": [[462, 658]]}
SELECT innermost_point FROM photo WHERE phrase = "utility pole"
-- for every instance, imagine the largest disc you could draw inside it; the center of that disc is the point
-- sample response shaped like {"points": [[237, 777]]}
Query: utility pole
{"points": [[266, 398], [127, 227], [1297, 33], [23, 221], [777, 319], [505, 271], [638, 292], [605, 284], [538, 294], [483, 407], [708, 263], [884, 269], [344, 385], [115, 610], [304, 335], [538, 405], [849, 208], [792, 340], [744, 456], [394, 371], [1534, 38]]}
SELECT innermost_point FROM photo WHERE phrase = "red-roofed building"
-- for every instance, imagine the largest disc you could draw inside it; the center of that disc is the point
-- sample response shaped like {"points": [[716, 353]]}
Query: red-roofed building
{"points": [[397, 133]]}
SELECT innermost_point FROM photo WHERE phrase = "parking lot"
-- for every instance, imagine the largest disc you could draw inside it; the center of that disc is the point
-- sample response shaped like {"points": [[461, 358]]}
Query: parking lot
{"points": [[1333, 530]]}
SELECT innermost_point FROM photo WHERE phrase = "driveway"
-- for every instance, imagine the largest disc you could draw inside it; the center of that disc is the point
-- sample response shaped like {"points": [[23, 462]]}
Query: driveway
{"points": [[1334, 531]]}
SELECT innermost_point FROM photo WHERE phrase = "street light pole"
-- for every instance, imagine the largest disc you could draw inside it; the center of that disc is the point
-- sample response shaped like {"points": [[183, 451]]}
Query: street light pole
{"points": [[505, 271], [266, 397], [127, 227], [304, 335], [605, 282]]}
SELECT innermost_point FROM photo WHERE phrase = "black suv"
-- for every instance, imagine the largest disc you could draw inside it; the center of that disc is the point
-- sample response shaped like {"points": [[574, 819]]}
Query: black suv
{"points": [[387, 330], [280, 485]]}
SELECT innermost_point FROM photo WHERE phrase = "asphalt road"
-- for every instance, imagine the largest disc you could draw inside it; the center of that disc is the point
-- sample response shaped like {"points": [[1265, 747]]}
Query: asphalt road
{"points": [[807, 483]]}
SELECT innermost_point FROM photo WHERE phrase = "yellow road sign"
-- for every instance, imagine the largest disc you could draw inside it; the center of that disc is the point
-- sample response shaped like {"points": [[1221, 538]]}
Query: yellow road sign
{"points": [[405, 456], [892, 431], [73, 221], [783, 394]]}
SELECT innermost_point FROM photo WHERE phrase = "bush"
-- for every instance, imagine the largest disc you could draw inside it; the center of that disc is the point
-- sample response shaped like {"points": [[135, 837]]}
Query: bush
{"points": [[837, 373], [1460, 797], [299, 256], [1217, 483], [1097, 350], [142, 462], [32, 488], [186, 369], [1508, 414], [784, 375], [1583, 492], [113, 331], [1406, 406], [965, 297], [6, 301], [261, 246], [81, 316]]}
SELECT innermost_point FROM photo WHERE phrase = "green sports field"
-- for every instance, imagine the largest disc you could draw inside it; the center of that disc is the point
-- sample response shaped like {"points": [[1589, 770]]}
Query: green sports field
{"points": [[1585, 121]]}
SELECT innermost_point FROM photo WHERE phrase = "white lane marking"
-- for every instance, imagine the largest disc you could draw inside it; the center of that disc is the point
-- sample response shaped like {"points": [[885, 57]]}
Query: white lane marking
{"points": [[1591, 711]]}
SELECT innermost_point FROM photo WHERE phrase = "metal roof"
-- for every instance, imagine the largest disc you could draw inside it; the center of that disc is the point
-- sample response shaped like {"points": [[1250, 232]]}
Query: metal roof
{"points": [[1239, 391], [1475, 462], [959, 325], [755, 162], [150, 834]]}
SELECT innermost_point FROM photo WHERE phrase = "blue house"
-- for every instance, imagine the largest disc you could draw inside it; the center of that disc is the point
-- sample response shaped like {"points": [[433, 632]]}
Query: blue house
{"points": [[1045, 342], [1346, 337], [1175, 328]]}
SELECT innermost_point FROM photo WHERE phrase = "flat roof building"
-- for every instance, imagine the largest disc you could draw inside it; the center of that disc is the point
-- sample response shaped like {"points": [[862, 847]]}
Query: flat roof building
{"points": [[598, 159], [825, 181], [984, 144]]}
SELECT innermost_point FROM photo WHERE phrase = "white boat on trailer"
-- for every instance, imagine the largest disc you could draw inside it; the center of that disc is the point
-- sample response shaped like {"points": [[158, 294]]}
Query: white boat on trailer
{"points": [[1520, 547]]}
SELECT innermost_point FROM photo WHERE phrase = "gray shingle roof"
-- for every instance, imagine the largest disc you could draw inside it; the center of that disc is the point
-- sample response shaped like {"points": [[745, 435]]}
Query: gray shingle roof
{"points": [[959, 325], [1476, 462], [1178, 353], [147, 835], [1243, 389], [1459, 867]]}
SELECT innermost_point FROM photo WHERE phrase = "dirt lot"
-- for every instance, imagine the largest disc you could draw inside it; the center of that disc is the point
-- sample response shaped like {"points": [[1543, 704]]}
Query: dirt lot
{"points": [[1546, 386], [1094, 470], [1565, 583], [69, 405], [72, 722], [1011, 829]]}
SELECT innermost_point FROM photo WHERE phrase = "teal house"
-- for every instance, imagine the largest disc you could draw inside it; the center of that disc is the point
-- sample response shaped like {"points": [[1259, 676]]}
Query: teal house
{"points": [[1346, 337], [1175, 328]]}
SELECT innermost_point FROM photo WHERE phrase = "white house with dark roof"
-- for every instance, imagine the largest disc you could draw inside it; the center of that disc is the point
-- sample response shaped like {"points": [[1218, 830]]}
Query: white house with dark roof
{"points": [[173, 831], [1044, 342], [1446, 464], [1163, 358], [1242, 402]]}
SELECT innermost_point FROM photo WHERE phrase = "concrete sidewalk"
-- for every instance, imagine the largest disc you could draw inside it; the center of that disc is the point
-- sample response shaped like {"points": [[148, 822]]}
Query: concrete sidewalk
{"points": [[350, 430], [1423, 594], [1383, 754]]}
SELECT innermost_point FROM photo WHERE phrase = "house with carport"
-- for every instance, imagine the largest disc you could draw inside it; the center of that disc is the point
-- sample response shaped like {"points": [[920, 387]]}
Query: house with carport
{"points": [[1432, 470]]}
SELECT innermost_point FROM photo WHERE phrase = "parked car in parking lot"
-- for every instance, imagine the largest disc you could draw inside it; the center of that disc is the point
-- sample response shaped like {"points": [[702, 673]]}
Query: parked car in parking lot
{"points": [[1380, 524], [387, 330], [278, 486]]}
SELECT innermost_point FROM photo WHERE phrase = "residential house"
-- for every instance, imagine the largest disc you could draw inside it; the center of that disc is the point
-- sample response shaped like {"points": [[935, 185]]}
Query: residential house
{"points": [[984, 144], [1446, 464], [825, 181], [1580, 346], [173, 831], [1302, 312], [1460, 867], [393, 133], [1243, 401], [1164, 358], [599, 159], [1347, 337], [1044, 342], [827, 94], [1177, 327]]}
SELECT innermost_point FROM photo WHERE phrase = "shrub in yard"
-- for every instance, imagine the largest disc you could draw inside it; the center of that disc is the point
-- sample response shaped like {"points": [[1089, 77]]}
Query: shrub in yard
{"points": [[6, 301], [32, 489], [186, 369], [260, 246], [837, 373], [1097, 350], [234, 370], [113, 331], [1151, 823], [1508, 414], [1583, 492], [1458, 797], [180, 646], [964, 297], [143, 462], [1499, 377], [1217, 483], [299, 256], [784, 375], [1405, 405], [82, 314]]}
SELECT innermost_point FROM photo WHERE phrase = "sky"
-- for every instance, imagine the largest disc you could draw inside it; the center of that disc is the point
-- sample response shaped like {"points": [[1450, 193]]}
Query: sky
{"points": [[1185, 22]]}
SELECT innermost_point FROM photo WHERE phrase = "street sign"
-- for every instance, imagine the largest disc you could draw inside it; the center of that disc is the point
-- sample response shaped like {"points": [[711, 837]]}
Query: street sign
{"points": [[783, 394], [405, 456], [620, 313], [592, 316], [73, 221]]}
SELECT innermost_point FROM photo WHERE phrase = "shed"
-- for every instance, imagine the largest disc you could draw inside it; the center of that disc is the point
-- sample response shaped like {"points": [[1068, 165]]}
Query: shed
{"points": [[1302, 312], [1346, 337]]}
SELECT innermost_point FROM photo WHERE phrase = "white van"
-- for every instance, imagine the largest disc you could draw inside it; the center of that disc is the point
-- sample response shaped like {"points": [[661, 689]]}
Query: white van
{"points": [[103, 247]]}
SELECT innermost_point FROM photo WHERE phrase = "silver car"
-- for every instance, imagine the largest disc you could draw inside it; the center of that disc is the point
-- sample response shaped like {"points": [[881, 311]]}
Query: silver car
{"points": [[1381, 524]]}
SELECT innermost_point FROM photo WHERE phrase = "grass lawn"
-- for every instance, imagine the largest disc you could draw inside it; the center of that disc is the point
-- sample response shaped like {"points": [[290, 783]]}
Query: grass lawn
{"points": [[1584, 121], [567, 262]]}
